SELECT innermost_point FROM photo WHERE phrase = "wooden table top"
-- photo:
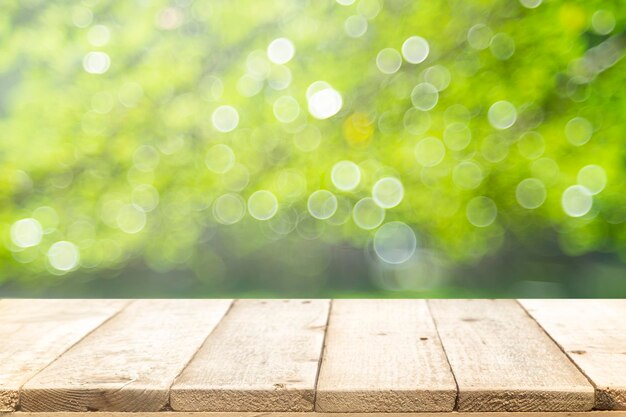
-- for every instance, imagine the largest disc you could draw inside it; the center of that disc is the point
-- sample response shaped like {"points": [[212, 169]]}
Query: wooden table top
{"points": [[315, 356]]}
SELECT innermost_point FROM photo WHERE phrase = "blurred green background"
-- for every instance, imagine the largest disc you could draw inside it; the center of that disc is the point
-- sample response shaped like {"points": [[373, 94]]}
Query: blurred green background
{"points": [[192, 148]]}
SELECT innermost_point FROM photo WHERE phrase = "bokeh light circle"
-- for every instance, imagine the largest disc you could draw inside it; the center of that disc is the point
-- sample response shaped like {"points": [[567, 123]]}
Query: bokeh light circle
{"points": [[229, 208], [502, 114], [343, 213], [438, 76], [280, 51], [479, 36], [576, 201], [96, 62], [286, 109], [578, 131], [249, 86], [388, 192], [225, 118], [26, 233], [284, 222], [63, 256], [394, 243], [146, 197], [415, 49], [424, 96], [457, 136], [257, 64], [324, 103], [531, 4], [369, 8], [131, 219], [603, 22], [309, 227], [322, 204], [345, 175], [367, 214], [593, 178], [220, 158], [355, 26], [388, 61], [481, 211], [429, 152], [262, 205], [502, 46], [530, 193]]}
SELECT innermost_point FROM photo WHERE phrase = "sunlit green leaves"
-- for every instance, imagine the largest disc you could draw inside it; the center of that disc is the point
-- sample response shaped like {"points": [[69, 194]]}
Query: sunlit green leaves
{"points": [[139, 130]]}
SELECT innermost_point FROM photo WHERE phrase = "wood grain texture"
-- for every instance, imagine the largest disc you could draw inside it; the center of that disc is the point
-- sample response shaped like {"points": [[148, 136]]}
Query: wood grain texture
{"points": [[129, 363], [263, 356], [503, 361], [383, 356], [310, 414], [33, 333], [593, 334]]}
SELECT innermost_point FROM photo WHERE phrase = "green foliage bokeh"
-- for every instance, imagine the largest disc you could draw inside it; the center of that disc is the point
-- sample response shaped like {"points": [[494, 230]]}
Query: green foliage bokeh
{"points": [[85, 153]]}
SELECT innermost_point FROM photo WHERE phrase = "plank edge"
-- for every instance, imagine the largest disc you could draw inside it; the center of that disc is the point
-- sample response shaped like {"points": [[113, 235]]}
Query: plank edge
{"points": [[155, 399], [404, 401], [606, 398], [576, 400], [193, 399]]}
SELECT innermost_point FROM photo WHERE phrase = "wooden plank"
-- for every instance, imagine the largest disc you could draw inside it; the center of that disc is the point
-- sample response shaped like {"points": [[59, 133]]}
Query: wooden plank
{"points": [[383, 356], [593, 334], [33, 333], [262, 357], [309, 414], [129, 363], [503, 361]]}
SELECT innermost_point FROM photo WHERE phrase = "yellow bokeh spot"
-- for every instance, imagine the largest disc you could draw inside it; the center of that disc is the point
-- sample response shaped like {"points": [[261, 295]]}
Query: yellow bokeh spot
{"points": [[572, 17], [358, 130]]}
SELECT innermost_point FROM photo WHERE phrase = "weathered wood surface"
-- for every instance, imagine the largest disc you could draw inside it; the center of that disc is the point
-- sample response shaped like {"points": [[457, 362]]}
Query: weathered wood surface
{"points": [[383, 356], [317, 414], [593, 334], [263, 356], [281, 359], [33, 333], [129, 363], [503, 361]]}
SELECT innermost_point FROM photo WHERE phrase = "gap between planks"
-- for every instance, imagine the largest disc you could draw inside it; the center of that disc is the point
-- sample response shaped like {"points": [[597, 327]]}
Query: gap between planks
{"points": [[263, 355], [591, 333], [503, 361], [593, 384], [327, 325], [129, 362], [47, 329], [383, 356]]}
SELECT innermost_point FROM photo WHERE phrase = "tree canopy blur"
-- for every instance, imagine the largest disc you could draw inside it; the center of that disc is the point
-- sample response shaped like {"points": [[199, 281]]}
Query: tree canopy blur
{"points": [[180, 134]]}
